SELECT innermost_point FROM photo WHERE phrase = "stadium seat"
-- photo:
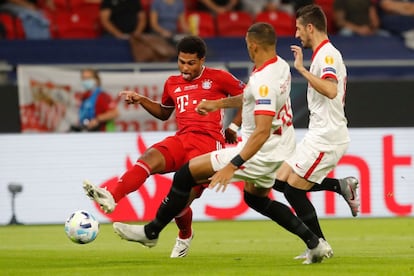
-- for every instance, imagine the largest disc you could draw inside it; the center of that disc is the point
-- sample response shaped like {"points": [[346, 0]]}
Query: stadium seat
{"points": [[77, 5], [13, 26], [283, 22], [60, 5], [201, 23], [234, 23], [76, 25]]}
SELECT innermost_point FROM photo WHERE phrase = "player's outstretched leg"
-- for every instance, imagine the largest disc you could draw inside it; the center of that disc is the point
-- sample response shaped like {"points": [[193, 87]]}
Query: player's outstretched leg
{"points": [[134, 233], [100, 195], [349, 186]]}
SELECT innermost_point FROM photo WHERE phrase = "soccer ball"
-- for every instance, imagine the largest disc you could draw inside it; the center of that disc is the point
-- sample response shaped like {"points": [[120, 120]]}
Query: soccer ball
{"points": [[81, 227]]}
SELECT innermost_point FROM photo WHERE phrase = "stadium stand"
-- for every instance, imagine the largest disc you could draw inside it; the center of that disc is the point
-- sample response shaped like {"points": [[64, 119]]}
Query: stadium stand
{"points": [[283, 22], [234, 23], [201, 23], [12, 25]]}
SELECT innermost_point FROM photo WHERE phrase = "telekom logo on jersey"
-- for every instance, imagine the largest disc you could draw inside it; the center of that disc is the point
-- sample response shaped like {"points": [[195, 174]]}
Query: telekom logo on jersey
{"points": [[125, 210]]}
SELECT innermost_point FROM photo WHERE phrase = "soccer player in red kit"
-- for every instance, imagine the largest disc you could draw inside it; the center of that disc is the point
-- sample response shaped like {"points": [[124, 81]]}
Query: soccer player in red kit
{"points": [[196, 134]]}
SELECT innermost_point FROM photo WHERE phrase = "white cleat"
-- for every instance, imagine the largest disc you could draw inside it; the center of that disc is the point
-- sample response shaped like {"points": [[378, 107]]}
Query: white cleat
{"points": [[133, 233], [317, 254], [181, 247], [303, 255], [349, 186], [100, 196]]}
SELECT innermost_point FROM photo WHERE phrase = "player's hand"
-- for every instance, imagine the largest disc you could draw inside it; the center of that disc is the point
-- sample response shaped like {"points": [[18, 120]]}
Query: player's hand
{"points": [[231, 136], [206, 106], [221, 178], [298, 55], [130, 97]]}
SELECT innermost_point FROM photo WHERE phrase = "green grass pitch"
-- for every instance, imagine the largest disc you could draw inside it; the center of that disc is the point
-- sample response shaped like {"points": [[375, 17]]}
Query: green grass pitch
{"points": [[362, 246]]}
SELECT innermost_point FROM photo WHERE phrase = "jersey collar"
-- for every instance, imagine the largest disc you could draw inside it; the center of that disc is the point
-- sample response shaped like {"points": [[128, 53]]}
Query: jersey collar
{"points": [[319, 47], [272, 60]]}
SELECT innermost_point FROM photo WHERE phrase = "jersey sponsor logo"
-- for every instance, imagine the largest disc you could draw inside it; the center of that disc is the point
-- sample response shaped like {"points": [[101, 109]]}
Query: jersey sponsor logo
{"points": [[329, 60], [182, 102], [263, 101], [263, 90], [178, 89], [206, 84], [191, 87], [329, 69]]}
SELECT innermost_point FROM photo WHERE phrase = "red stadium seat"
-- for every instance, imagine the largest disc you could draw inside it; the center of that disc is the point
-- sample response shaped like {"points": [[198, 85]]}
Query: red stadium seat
{"points": [[233, 23], [283, 22], [13, 26], [201, 23], [77, 5], [60, 5], [76, 25]]}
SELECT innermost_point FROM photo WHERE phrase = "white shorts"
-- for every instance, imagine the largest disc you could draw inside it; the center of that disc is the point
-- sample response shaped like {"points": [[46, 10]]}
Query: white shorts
{"points": [[259, 172], [314, 161]]}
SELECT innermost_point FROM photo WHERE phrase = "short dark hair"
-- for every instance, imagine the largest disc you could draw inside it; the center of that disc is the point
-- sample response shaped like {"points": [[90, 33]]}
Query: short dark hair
{"points": [[312, 14], [192, 45], [263, 33]]}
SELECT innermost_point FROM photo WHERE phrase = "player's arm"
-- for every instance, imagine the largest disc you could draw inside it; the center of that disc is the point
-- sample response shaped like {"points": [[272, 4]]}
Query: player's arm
{"points": [[207, 106], [326, 87], [154, 108], [256, 140], [230, 132]]}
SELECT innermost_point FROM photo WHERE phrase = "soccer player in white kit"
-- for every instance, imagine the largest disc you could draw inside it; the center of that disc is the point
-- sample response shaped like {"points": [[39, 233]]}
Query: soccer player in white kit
{"points": [[267, 139], [327, 138]]}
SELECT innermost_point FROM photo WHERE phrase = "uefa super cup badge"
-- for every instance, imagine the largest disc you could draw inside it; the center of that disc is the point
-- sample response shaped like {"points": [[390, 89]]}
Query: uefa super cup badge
{"points": [[206, 84]]}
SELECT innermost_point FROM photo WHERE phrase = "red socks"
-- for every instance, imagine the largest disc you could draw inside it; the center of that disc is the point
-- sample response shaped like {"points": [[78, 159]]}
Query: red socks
{"points": [[130, 181], [183, 221]]}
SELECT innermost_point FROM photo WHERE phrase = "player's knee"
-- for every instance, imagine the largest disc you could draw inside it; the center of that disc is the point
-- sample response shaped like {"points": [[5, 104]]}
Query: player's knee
{"points": [[292, 193], [257, 203], [183, 180]]}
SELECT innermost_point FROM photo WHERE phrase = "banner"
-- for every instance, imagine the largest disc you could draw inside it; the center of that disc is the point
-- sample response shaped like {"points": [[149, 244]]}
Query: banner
{"points": [[51, 167], [49, 98]]}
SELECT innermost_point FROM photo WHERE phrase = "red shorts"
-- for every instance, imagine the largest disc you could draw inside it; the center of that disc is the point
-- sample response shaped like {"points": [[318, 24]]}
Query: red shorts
{"points": [[179, 149]]}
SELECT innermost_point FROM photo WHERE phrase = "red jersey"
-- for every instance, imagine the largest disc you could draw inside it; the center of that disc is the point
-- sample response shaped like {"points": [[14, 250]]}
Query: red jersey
{"points": [[184, 96]]}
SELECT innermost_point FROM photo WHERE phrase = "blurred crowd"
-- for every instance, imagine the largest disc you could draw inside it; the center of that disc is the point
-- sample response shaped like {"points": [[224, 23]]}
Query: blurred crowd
{"points": [[153, 26]]}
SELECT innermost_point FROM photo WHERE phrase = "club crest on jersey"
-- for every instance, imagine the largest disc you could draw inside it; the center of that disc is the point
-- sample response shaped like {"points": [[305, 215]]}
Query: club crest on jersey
{"points": [[263, 90], [206, 84], [329, 60]]}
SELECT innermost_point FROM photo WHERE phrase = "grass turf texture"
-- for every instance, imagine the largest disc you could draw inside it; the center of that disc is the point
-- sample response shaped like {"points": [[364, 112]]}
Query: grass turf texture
{"points": [[362, 247]]}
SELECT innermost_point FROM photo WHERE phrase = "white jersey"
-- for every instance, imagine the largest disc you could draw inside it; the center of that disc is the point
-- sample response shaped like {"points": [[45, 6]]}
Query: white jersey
{"points": [[268, 93], [327, 121]]}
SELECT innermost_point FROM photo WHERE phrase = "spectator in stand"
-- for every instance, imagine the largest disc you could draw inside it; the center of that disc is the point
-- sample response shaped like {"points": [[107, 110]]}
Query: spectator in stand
{"points": [[123, 19], [297, 4], [167, 19], [219, 6], [35, 23], [97, 111], [397, 17], [356, 17]]}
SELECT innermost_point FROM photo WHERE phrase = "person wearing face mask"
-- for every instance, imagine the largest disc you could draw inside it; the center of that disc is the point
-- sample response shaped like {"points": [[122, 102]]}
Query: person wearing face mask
{"points": [[97, 110]]}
